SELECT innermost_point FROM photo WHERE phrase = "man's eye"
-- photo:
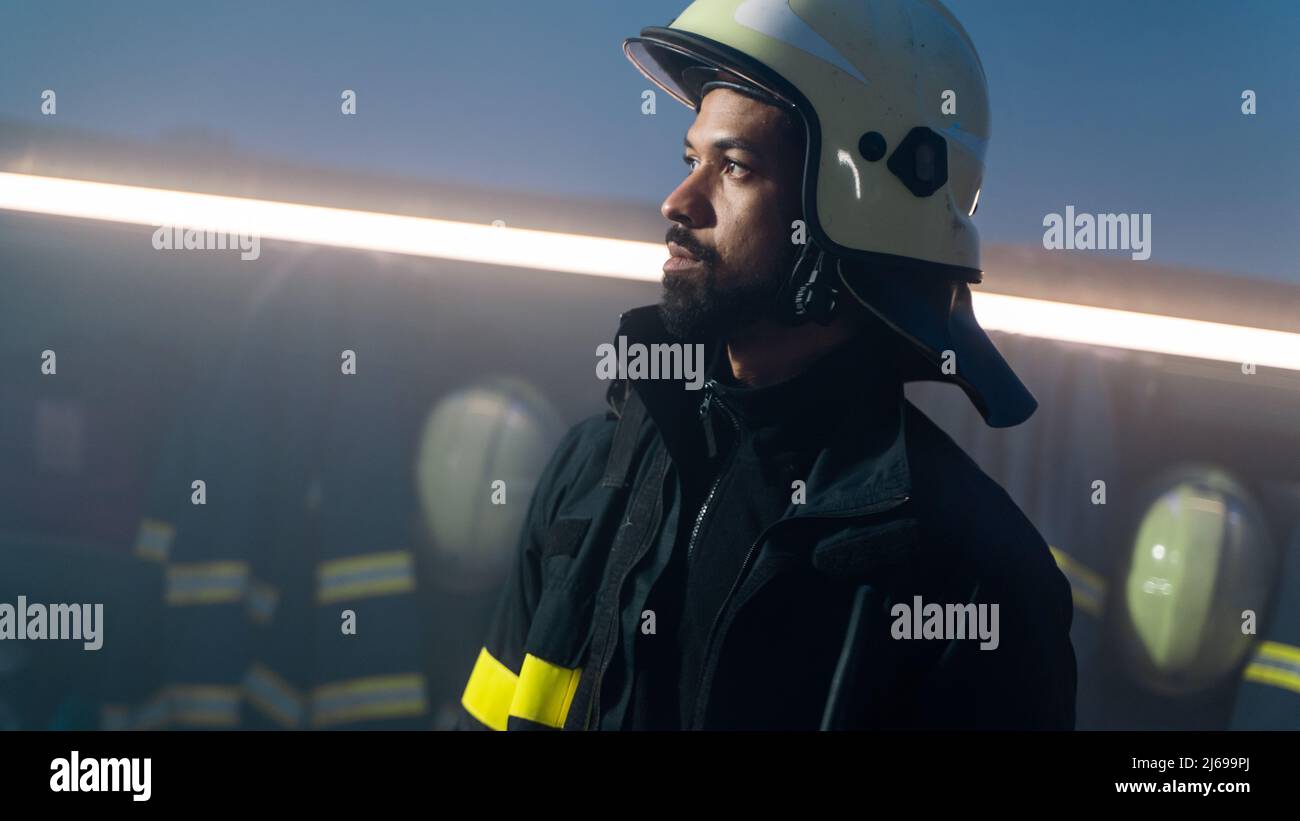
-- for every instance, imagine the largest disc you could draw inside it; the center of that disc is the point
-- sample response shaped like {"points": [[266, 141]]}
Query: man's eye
{"points": [[730, 166], [736, 169]]}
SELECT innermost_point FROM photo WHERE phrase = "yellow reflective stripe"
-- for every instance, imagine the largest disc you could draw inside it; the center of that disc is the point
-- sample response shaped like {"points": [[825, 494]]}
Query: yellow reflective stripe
{"points": [[1086, 602], [545, 692], [274, 696], [154, 540], [1087, 588], [1278, 651], [206, 582], [207, 705], [1263, 674], [1071, 565], [488, 693], [369, 698], [356, 577], [1275, 664]]}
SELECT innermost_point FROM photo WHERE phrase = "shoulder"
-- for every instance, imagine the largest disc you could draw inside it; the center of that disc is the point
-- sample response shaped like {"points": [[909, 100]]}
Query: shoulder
{"points": [[589, 437], [946, 479], [577, 463]]}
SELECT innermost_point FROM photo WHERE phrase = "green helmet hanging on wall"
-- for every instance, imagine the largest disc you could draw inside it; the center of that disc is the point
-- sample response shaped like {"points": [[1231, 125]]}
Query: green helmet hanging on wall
{"points": [[895, 104], [1202, 559]]}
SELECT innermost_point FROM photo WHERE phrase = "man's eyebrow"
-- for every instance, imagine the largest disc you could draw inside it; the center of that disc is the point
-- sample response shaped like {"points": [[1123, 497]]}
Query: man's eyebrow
{"points": [[728, 142]]}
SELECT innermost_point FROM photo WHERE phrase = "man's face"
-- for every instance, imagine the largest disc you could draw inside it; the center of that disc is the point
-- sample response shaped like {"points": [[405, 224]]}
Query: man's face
{"points": [[731, 235]]}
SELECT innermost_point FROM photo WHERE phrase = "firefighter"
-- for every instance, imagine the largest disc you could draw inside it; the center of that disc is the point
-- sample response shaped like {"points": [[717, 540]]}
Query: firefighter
{"points": [[740, 557]]}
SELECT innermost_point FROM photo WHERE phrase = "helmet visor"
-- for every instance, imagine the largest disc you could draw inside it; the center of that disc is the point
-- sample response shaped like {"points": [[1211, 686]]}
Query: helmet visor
{"points": [[683, 73]]}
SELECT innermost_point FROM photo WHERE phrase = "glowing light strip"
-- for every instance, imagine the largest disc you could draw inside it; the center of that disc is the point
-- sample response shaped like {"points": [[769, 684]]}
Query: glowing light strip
{"points": [[419, 236], [1113, 328], [599, 256]]}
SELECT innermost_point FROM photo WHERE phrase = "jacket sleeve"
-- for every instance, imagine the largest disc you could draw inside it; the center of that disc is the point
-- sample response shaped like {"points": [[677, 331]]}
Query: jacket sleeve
{"points": [[485, 702], [1028, 681], [1042, 674], [1062, 685]]}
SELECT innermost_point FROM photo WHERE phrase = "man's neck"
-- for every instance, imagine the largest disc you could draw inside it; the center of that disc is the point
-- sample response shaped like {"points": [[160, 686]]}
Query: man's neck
{"points": [[766, 353]]}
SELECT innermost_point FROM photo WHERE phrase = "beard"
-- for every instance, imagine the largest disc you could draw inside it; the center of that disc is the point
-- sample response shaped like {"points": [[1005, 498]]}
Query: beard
{"points": [[695, 305]]}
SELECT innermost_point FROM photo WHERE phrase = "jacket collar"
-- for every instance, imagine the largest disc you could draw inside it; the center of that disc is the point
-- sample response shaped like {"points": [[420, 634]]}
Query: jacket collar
{"points": [[863, 468]]}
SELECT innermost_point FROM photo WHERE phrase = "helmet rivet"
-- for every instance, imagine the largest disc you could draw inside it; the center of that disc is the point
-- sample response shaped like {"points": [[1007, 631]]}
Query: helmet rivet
{"points": [[872, 146]]}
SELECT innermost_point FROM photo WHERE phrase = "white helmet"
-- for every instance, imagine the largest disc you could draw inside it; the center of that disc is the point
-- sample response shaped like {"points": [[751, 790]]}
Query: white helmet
{"points": [[895, 105]]}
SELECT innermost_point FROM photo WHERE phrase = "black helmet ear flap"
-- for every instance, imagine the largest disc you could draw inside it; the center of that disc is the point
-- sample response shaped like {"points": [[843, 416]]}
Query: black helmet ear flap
{"points": [[812, 292], [935, 318]]}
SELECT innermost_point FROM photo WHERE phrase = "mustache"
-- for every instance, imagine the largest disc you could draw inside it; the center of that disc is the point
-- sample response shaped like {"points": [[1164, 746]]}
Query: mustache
{"points": [[679, 235]]}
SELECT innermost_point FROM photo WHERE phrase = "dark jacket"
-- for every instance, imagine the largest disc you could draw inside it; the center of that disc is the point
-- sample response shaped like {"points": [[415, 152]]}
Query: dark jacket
{"points": [[894, 509]]}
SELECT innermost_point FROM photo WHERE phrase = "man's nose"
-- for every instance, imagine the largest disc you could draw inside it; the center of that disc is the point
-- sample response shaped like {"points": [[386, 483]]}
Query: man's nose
{"points": [[688, 204]]}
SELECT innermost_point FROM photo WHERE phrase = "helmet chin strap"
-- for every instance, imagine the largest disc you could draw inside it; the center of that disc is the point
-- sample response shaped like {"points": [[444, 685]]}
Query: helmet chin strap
{"points": [[811, 293]]}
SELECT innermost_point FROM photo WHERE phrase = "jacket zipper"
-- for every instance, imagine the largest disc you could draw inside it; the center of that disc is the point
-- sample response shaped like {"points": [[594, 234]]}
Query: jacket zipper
{"points": [[709, 398], [881, 507]]}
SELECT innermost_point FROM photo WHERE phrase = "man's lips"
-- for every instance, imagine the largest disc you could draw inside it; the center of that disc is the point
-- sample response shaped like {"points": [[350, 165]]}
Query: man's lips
{"points": [[680, 258]]}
